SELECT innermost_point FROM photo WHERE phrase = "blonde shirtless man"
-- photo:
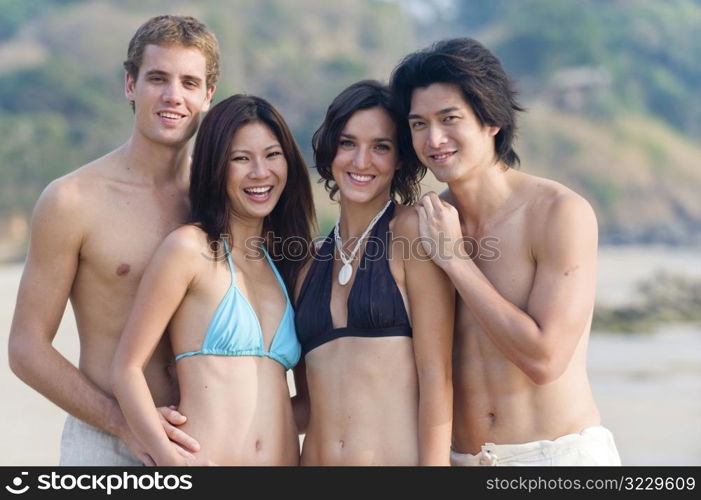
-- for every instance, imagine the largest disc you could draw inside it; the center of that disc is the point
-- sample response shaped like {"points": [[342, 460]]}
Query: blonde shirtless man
{"points": [[521, 252], [93, 232]]}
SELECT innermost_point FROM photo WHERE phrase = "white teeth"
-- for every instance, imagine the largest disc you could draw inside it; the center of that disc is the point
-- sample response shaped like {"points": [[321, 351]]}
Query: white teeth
{"points": [[441, 156], [258, 190], [361, 178], [169, 115]]}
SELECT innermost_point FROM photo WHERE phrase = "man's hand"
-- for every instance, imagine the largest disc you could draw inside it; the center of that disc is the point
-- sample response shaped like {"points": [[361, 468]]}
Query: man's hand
{"points": [[439, 227], [135, 446], [171, 418]]}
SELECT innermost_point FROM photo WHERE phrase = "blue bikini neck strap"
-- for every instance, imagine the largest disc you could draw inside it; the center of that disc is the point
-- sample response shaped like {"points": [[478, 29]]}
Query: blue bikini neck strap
{"points": [[227, 252], [270, 261]]}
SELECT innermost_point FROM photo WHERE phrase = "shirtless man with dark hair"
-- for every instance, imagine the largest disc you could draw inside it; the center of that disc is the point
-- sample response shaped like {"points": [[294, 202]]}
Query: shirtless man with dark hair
{"points": [[522, 395], [93, 232]]}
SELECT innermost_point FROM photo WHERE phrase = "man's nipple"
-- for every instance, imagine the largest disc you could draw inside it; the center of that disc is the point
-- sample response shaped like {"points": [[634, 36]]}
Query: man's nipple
{"points": [[123, 269]]}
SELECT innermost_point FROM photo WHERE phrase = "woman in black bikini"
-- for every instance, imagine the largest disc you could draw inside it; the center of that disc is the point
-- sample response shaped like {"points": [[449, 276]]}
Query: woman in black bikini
{"points": [[374, 316]]}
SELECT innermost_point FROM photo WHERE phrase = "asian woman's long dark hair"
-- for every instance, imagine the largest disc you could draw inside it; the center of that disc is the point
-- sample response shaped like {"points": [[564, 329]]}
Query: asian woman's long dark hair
{"points": [[289, 225]]}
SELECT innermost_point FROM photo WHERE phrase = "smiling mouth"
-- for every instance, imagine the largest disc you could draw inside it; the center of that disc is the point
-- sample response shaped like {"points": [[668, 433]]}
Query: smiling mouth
{"points": [[359, 178], [439, 157], [170, 116], [258, 193]]}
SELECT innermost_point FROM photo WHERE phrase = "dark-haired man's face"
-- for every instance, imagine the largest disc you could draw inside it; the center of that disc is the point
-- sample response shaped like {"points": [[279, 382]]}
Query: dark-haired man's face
{"points": [[446, 135]]}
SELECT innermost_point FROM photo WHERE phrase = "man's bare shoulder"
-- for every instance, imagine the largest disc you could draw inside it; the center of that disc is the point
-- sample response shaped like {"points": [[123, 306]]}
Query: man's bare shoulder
{"points": [[63, 201], [547, 197], [62, 216], [556, 211], [79, 187]]}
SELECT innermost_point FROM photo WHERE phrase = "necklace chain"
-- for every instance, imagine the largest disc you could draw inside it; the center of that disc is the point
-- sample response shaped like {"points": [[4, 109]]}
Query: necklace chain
{"points": [[339, 242]]}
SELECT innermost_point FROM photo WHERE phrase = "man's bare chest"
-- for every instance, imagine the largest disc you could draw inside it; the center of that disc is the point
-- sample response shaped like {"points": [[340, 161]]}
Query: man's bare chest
{"points": [[503, 253], [123, 235]]}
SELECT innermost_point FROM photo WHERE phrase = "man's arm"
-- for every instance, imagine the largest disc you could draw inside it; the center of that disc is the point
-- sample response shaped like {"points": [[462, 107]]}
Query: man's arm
{"points": [[540, 340], [52, 263]]}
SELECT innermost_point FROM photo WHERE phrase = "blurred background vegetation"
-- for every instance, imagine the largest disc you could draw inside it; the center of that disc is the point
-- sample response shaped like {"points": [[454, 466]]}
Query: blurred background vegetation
{"points": [[611, 87]]}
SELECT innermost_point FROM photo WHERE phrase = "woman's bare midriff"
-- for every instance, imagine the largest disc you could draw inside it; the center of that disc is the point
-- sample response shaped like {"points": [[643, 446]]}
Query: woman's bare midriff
{"points": [[364, 403], [239, 409]]}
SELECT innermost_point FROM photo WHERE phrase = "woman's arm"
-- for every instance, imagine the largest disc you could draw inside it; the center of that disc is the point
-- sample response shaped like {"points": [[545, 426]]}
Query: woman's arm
{"points": [[163, 286], [300, 402], [431, 299]]}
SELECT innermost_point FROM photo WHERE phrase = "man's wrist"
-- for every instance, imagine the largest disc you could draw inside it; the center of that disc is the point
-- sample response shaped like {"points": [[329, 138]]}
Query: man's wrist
{"points": [[449, 264], [117, 424]]}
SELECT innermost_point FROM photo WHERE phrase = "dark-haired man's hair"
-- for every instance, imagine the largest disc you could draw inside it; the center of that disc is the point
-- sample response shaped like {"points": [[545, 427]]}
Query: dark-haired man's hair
{"points": [[477, 72]]}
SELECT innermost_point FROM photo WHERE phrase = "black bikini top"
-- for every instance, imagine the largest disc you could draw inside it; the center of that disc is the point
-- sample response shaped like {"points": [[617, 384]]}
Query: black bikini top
{"points": [[375, 305]]}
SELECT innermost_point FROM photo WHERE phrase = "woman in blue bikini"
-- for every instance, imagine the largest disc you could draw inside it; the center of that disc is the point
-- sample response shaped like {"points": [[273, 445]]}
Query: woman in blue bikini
{"points": [[213, 288], [374, 316]]}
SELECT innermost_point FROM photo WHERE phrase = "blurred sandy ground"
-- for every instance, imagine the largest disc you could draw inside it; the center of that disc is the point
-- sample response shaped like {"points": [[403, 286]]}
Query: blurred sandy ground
{"points": [[648, 387]]}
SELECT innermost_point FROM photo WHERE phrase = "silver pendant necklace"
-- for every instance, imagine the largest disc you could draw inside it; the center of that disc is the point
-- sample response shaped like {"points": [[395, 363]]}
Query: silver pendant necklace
{"points": [[346, 272]]}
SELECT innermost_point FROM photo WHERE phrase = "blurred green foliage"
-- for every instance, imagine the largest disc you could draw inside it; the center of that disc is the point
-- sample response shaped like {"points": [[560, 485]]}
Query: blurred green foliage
{"points": [[65, 106], [14, 13], [68, 108], [650, 48], [57, 86]]}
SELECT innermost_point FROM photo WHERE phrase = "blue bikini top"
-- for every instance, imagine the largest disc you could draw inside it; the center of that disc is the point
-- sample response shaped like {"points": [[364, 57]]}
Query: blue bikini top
{"points": [[235, 330]]}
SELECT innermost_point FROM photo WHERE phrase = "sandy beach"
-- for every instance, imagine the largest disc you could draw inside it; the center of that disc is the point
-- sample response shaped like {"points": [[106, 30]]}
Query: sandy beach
{"points": [[648, 386]]}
